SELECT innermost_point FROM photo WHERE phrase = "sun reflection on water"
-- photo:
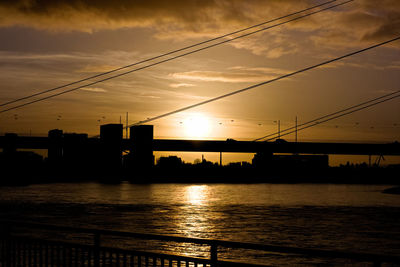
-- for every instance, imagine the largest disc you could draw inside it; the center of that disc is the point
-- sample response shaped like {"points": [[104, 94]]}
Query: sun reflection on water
{"points": [[196, 194], [193, 219]]}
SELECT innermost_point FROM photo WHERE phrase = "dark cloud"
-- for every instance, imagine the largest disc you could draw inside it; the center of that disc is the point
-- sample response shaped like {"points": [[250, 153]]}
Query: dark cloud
{"points": [[81, 15], [365, 21], [352, 24], [389, 27]]}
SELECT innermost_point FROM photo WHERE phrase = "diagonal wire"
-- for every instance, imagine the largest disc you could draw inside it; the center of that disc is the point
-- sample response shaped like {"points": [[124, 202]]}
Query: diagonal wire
{"points": [[169, 59], [329, 115], [163, 55], [338, 116], [266, 82]]}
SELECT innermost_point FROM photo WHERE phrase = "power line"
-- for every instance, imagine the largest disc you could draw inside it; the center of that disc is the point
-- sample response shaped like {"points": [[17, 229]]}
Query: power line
{"points": [[170, 59], [338, 116], [163, 55], [329, 115], [318, 120], [266, 82]]}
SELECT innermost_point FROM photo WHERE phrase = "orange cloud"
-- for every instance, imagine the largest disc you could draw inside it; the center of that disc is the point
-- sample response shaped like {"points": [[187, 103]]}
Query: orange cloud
{"points": [[179, 85], [235, 75], [94, 89]]}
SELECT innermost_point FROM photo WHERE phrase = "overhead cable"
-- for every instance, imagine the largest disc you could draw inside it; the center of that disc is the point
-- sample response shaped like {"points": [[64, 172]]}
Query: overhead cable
{"points": [[317, 122], [162, 55], [266, 82], [165, 60], [328, 115]]}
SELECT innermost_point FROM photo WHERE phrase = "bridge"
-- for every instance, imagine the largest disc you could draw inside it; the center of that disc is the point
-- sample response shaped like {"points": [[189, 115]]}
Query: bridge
{"points": [[22, 248], [279, 146]]}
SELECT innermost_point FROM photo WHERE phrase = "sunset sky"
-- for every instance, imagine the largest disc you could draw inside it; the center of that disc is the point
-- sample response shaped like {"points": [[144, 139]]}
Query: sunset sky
{"points": [[45, 44]]}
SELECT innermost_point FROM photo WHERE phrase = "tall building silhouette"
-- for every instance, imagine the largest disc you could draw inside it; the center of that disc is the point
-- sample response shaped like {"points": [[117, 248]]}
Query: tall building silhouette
{"points": [[55, 150], [141, 157], [10, 144], [111, 148], [75, 153]]}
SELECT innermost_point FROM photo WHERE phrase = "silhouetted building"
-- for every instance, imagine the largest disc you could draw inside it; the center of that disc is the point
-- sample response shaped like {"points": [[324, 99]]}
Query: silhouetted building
{"points": [[75, 152], [289, 162], [111, 147], [10, 144], [18, 167], [262, 159], [205, 163], [141, 154], [55, 151], [171, 162]]}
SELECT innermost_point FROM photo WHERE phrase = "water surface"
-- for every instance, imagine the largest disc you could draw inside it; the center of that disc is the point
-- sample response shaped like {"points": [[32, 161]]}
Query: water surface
{"points": [[338, 217]]}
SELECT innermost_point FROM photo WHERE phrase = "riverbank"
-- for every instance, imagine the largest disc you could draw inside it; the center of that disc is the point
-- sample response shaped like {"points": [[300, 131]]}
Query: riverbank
{"points": [[216, 174]]}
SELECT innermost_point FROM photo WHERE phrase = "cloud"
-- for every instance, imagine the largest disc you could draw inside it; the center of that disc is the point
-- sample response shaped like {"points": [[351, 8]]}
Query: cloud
{"points": [[368, 22], [272, 45], [363, 65], [395, 65], [386, 91], [96, 68], [352, 25], [94, 89], [261, 70], [235, 75], [63, 65], [163, 96], [179, 85], [205, 16], [143, 95]]}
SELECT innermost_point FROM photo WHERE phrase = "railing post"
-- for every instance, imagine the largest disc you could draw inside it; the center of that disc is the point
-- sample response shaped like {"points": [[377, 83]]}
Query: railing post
{"points": [[214, 254], [5, 236], [96, 244]]}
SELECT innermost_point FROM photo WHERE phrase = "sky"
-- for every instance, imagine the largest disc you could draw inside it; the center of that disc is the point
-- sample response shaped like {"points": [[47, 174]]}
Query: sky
{"points": [[45, 44]]}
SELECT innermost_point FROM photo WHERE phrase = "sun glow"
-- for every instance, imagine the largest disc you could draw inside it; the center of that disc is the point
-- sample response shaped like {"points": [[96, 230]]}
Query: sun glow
{"points": [[197, 126]]}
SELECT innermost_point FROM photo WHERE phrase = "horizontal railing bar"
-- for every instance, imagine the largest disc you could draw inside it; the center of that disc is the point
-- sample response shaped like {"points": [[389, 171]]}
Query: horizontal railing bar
{"points": [[113, 233], [219, 243], [156, 255], [310, 252], [52, 242], [113, 250]]}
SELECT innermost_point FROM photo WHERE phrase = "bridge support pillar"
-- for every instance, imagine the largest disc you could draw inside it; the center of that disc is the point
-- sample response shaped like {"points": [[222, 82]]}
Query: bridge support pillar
{"points": [[55, 149], [10, 144], [141, 158], [111, 148], [214, 255]]}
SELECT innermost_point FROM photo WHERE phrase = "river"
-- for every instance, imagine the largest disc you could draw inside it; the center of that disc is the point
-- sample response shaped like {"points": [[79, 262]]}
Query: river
{"points": [[357, 218]]}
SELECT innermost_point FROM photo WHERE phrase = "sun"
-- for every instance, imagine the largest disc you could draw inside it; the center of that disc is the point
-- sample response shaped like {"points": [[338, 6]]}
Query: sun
{"points": [[197, 126]]}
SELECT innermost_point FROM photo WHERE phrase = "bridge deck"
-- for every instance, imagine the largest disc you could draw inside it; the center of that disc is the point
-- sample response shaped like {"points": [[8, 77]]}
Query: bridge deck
{"points": [[24, 142], [277, 147]]}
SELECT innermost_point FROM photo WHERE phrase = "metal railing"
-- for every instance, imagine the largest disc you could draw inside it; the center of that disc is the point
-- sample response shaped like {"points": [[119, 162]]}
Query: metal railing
{"points": [[21, 246]]}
